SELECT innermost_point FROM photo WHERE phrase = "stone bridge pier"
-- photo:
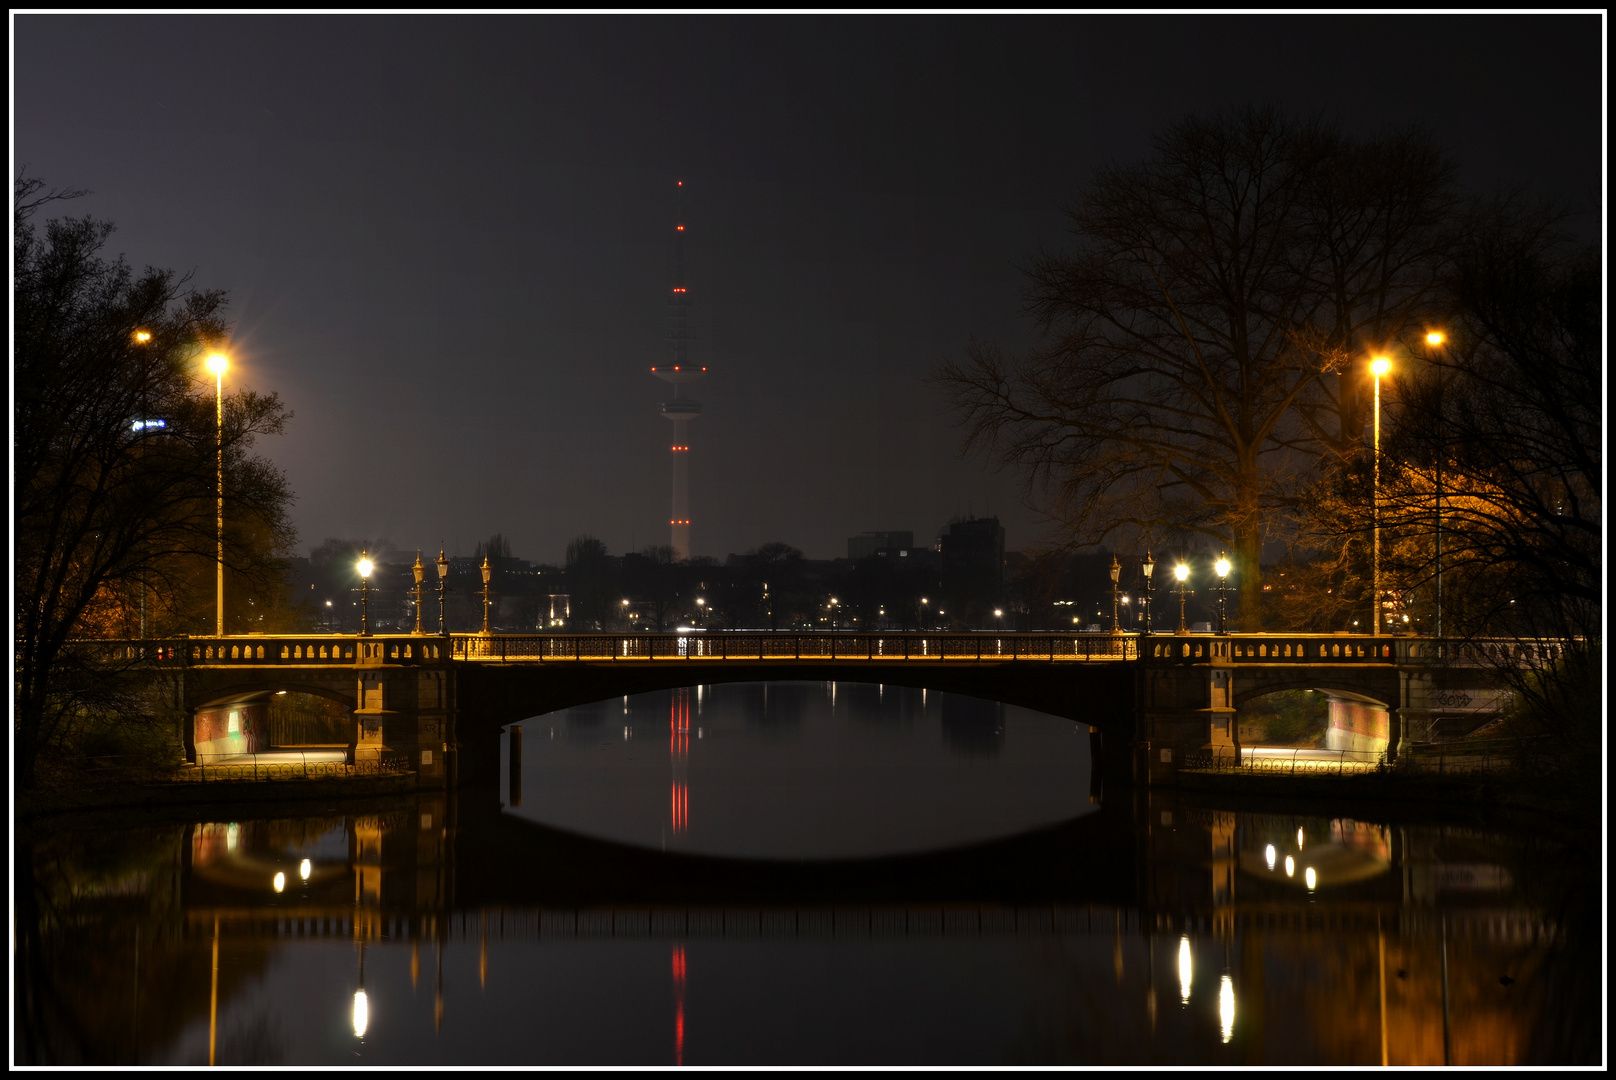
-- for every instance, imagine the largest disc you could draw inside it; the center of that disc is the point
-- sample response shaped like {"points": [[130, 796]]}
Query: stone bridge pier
{"points": [[400, 692]]}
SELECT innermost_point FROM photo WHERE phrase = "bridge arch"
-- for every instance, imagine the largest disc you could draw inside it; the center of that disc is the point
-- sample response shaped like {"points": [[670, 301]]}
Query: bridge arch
{"points": [[1246, 692]]}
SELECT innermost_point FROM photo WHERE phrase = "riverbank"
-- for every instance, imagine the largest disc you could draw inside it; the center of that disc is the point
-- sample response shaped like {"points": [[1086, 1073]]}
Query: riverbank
{"points": [[64, 800]]}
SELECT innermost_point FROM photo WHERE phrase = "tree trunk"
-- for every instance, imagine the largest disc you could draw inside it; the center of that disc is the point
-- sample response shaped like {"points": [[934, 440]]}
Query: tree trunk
{"points": [[1248, 562]]}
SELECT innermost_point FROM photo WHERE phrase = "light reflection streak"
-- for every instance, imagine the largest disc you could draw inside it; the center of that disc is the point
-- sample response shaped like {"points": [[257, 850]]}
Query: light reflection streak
{"points": [[678, 1004], [1185, 970], [679, 753], [1226, 1007]]}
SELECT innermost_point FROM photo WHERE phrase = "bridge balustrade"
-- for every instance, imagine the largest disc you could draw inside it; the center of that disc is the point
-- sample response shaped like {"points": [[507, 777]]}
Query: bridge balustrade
{"points": [[770, 646], [324, 650]]}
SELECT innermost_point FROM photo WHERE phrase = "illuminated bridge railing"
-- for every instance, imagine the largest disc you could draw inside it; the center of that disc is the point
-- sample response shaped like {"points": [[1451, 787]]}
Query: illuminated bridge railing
{"points": [[325, 650], [777, 647]]}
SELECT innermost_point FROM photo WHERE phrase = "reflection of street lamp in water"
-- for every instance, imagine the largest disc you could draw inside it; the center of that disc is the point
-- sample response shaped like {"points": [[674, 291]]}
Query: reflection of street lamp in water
{"points": [[361, 1003], [1185, 970]]}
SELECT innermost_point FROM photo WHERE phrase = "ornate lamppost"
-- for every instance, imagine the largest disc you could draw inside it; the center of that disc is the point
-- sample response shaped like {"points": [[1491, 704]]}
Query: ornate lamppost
{"points": [[1182, 573], [443, 588], [1222, 567], [365, 567], [488, 575], [1147, 566], [1116, 571], [420, 575]]}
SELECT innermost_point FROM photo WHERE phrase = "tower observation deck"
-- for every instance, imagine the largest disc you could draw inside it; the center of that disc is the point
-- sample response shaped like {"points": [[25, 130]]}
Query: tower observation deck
{"points": [[680, 373]]}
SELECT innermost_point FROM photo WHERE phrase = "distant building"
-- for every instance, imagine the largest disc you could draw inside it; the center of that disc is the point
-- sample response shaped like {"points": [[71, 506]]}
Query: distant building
{"points": [[972, 556], [878, 543]]}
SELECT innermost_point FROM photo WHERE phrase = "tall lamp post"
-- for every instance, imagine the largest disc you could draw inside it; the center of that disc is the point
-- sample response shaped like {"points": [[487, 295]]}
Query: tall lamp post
{"points": [[1182, 573], [218, 363], [488, 575], [1435, 339], [1222, 567], [1379, 366], [1147, 566], [1116, 572], [365, 567], [420, 576], [443, 588], [143, 339]]}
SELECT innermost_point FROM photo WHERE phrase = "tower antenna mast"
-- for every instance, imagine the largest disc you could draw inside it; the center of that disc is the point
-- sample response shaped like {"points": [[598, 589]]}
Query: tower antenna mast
{"points": [[680, 373]]}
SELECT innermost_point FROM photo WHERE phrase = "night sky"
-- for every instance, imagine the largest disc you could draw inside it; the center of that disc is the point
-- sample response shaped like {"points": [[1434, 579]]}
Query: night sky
{"points": [[447, 240]]}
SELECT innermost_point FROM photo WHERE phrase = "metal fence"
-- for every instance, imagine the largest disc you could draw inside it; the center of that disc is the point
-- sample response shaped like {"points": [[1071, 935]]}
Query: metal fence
{"points": [[769, 646]]}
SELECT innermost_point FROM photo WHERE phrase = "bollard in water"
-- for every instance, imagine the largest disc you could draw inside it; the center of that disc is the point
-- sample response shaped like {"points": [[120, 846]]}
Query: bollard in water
{"points": [[516, 764]]}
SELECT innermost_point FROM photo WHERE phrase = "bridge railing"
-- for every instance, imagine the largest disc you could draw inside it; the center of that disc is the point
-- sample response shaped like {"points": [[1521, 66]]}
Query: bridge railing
{"points": [[1303, 761], [266, 650], [285, 765], [789, 647]]}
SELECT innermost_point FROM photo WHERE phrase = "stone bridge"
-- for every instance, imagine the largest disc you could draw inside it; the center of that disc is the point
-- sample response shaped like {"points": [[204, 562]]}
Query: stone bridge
{"points": [[1159, 697]]}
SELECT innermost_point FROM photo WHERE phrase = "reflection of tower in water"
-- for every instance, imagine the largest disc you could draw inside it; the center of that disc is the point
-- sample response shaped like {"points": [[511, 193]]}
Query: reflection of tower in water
{"points": [[678, 1004], [680, 372], [679, 755]]}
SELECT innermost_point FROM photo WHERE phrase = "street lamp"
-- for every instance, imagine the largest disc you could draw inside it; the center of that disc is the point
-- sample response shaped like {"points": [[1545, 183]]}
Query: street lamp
{"points": [[443, 585], [420, 575], [1116, 572], [1182, 573], [1222, 567], [488, 575], [1147, 566], [143, 338], [218, 363], [1379, 366], [1436, 339], [365, 567]]}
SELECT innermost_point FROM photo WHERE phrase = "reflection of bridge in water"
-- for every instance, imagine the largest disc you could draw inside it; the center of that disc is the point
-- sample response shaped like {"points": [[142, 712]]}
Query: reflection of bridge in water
{"points": [[439, 702], [1409, 906]]}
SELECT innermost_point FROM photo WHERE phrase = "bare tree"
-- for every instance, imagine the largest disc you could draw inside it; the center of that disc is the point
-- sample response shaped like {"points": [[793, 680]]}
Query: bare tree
{"points": [[103, 503], [1180, 390]]}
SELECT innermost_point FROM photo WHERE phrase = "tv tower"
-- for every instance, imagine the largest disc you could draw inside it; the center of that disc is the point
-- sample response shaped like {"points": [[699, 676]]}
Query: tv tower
{"points": [[681, 373]]}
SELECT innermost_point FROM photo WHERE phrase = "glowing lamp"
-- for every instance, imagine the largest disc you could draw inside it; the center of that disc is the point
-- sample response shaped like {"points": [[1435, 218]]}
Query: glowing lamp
{"points": [[218, 363], [1222, 567], [142, 336], [1181, 572], [1380, 366], [365, 567], [1435, 337]]}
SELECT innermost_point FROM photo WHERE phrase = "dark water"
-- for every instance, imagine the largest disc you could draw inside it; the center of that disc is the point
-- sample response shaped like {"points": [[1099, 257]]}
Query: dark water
{"points": [[454, 928], [800, 770]]}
